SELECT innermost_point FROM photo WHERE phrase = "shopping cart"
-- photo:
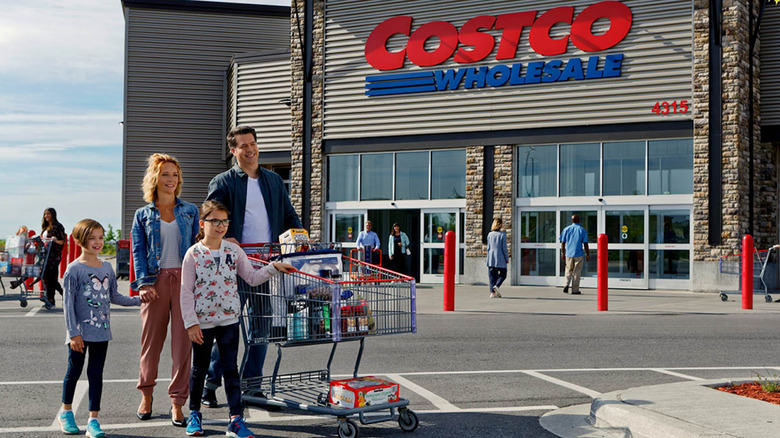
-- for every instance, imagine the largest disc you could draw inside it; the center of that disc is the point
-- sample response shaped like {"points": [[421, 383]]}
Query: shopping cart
{"points": [[299, 309], [732, 265], [25, 265]]}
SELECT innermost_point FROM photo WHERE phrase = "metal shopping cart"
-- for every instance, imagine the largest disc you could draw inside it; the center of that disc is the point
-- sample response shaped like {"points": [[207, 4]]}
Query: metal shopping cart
{"points": [[732, 265], [25, 265], [302, 308]]}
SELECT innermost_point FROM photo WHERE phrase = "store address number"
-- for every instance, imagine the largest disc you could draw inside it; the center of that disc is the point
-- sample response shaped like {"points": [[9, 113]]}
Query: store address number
{"points": [[664, 108]]}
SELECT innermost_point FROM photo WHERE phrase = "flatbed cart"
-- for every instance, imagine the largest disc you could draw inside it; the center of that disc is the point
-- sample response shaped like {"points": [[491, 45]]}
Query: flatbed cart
{"points": [[30, 266], [732, 265], [301, 309]]}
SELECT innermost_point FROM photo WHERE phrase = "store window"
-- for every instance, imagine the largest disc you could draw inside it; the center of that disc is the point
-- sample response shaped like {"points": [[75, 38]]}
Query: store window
{"points": [[624, 168], [411, 175], [376, 177], [580, 169], [343, 177], [448, 174], [537, 227], [670, 226], [670, 164], [537, 168]]}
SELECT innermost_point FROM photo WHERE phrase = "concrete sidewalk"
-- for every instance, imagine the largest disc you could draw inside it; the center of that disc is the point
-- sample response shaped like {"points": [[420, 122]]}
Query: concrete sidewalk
{"points": [[552, 300]]}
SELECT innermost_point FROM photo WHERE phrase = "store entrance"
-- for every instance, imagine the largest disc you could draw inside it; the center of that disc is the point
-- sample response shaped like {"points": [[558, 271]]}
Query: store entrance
{"points": [[409, 220]]}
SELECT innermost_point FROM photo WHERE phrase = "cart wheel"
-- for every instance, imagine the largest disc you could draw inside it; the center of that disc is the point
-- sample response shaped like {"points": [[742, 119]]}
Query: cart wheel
{"points": [[407, 420], [348, 429], [768, 298], [23, 303], [724, 297]]}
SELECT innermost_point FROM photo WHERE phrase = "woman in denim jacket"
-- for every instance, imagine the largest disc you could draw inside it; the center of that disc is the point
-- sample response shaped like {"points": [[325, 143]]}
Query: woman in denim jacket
{"points": [[163, 231]]}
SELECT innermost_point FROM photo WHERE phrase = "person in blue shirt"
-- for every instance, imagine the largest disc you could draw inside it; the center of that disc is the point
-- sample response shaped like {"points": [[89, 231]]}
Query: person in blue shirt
{"points": [[574, 239], [368, 240]]}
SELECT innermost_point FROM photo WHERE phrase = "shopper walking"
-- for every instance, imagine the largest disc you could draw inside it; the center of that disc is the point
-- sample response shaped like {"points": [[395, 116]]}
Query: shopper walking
{"points": [[398, 248], [162, 232], [574, 239], [52, 230], [368, 241], [497, 257]]}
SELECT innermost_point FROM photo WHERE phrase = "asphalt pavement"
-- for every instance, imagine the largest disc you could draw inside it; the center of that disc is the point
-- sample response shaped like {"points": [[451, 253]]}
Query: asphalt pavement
{"points": [[491, 365]]}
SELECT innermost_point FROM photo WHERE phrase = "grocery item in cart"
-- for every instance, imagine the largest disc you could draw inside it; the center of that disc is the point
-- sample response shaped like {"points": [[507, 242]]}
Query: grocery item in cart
{"points": [[16, 266], [315, 262], [362, 391]]}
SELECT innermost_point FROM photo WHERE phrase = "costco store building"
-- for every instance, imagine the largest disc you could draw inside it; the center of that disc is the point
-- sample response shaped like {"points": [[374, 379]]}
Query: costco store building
{"points": [[443, 115]]}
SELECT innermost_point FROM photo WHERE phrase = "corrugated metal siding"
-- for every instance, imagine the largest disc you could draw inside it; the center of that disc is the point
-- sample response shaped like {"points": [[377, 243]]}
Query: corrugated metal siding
{"points": [[175, 90], [657, 67], [260, 86], [770, 66]]}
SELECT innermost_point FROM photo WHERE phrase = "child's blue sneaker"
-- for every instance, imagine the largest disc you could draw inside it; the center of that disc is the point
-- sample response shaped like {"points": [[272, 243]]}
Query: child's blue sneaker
{"points": [[94, 430], [237, 429], [194, 427], [68, 423]]}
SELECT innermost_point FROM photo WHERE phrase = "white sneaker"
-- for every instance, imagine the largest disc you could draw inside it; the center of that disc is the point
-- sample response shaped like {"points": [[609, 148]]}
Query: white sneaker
{"points": [[493, 295], [496, 292]]}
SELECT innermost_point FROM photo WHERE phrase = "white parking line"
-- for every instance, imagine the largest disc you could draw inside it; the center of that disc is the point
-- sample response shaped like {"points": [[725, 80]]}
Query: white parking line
{"points": [[589, 392], [436, 400], [33, 311], [676, 374]]}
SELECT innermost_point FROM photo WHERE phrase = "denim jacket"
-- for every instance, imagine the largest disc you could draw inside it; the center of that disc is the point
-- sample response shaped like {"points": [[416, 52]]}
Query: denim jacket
{"points": [[146, 239]]}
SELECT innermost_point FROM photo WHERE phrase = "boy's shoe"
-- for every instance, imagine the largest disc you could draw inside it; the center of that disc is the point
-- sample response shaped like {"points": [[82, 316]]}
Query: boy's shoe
{"points": [[493, 295], [194, 426], [94, 430], [237, 429], [209, 398], [68, 423], [496, 291]]}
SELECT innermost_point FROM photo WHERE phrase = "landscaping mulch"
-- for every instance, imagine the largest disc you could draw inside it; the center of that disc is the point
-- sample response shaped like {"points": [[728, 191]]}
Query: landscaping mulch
{"points": [[752, 390]]}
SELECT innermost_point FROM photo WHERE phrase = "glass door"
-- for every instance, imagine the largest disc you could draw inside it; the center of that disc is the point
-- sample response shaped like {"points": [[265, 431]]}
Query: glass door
{"points": [[626, 230], [345, 226], [591, 220], [434, 225]]}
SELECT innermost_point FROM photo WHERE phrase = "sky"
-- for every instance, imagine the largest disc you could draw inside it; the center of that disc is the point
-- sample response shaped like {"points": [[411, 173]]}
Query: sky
{"points": [[61, 100]]}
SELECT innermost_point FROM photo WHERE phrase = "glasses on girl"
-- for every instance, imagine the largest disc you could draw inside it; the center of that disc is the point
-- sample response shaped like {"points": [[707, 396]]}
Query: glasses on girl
{"points": [[218, 222]]}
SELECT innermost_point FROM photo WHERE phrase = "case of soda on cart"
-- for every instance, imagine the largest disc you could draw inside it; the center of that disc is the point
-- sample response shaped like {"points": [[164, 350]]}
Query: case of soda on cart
{"points": [[23, 262], [331, 299]]}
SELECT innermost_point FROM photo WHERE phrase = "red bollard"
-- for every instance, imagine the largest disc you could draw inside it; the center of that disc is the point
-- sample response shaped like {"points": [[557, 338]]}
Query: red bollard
{"points": [[71, 248], [131, 272], [449, 271], [64, 259], [747, 272], [602, 272]]}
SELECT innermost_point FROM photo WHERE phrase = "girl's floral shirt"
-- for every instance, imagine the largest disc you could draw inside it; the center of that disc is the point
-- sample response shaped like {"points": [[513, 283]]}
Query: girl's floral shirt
{"points": [[209, 291]]}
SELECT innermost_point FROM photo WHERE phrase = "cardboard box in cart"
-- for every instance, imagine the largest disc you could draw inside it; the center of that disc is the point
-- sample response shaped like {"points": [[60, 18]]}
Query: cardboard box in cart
{"points": [[362, 391]]}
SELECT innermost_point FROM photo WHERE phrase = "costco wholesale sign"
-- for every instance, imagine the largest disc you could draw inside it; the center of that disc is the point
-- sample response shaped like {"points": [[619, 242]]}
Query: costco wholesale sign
{"points": [[456, 66], [472, 44]]}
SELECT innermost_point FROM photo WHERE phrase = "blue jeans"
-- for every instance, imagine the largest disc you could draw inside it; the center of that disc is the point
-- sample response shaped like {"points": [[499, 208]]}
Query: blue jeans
{"points": [[97, 359], [258, 324], [227, 338], [497, 277]]}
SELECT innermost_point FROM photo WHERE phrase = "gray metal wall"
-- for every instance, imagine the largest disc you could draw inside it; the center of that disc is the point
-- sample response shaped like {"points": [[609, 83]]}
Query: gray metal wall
{"points": [[260, 83], [176, 88], [658, 66], [770, 66]]}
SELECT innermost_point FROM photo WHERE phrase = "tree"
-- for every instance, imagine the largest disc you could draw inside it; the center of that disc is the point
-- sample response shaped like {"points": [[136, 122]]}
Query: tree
{"points": [[110, 236]]}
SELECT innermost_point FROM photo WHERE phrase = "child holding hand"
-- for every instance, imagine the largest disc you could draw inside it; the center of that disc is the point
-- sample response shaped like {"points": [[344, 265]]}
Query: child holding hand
{"points": [[210, 307], [90, 288]]}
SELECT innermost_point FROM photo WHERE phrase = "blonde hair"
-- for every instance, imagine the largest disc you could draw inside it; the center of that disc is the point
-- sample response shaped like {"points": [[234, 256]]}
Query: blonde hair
{"points": [[83, 229], [497, 223], [206, 209], [152, 176]]}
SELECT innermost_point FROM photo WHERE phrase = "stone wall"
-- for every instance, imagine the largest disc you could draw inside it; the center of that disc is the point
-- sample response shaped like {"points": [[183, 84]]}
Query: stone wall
{"points": [[735, 158], [475, 171], [316, 178]]}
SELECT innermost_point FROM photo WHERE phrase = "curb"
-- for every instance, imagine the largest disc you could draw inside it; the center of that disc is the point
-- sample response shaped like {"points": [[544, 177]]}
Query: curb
{"points": [[674, 410]]}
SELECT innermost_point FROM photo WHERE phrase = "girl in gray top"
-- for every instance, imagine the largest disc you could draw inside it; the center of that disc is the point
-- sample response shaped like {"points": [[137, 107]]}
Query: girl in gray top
{"points": [[497, 257], [90, 288]]}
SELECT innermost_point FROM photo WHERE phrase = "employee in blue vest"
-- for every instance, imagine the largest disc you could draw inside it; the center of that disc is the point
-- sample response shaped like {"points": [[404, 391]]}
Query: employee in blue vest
{"points": [[368, 240], [260, 211], [574, 239]]}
